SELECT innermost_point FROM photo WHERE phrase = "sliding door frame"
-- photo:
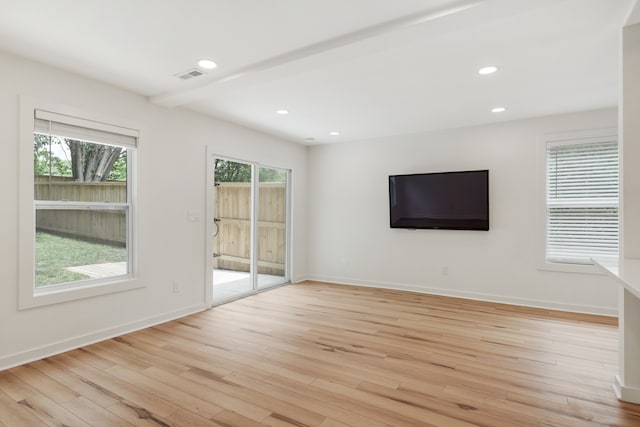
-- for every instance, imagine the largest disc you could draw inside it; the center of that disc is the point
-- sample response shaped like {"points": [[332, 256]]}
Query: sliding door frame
{"points": [[211, 156]]}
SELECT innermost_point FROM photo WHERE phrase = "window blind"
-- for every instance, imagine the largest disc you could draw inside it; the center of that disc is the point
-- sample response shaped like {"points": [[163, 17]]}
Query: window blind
{"points": [[84, 130], [582, 201]]}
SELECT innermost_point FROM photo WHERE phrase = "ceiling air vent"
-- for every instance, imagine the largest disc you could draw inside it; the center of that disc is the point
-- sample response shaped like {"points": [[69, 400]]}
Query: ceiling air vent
{"points": [[189, 74]]}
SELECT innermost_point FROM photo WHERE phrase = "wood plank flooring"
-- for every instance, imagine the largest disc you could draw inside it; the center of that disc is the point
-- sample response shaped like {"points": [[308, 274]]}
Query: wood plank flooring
{"points": [[324, 355]]}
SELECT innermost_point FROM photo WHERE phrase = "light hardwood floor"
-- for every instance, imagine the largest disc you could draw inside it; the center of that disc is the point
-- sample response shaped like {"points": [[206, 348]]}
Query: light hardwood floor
{"points": [[324, 355]]}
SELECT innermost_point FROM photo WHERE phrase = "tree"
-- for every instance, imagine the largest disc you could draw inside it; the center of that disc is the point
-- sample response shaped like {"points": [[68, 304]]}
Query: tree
{"points": [[44, 162], [81, 160], [92, 162], [227, 171], [272, 175], [119, 170]]}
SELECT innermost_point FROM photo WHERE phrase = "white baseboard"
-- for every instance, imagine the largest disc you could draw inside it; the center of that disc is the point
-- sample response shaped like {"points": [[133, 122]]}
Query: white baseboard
{"points": [[625, 393], [549, 305], [51, 349]]}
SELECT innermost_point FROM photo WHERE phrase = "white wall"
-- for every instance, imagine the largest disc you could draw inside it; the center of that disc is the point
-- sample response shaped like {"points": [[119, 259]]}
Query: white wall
{"points": [[171, 181], [630, 113], [349, 239]]}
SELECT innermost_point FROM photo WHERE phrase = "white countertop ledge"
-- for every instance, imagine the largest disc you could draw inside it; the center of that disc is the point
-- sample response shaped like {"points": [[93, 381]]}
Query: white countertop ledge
{"points": [[627, 272]]}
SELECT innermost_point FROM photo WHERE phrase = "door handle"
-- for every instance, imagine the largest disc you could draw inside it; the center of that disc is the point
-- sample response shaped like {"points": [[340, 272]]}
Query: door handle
{"points": [[215, 222]]}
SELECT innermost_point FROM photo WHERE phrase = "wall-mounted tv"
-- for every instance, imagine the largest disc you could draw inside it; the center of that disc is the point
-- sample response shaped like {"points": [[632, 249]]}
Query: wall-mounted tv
{"points": [[446, 200]]}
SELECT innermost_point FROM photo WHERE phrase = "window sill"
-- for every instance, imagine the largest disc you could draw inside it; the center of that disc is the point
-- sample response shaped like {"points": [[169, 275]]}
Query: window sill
{"points": [[570, 268], [55, 295]]}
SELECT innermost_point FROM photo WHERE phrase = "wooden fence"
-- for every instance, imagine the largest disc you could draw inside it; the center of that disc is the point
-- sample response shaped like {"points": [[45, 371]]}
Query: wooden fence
{"points": [[233, 242], [232, 207], [104, 226]]}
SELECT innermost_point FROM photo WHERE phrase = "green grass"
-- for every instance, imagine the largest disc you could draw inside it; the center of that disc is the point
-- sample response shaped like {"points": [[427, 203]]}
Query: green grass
{"points": [[55, 253]]}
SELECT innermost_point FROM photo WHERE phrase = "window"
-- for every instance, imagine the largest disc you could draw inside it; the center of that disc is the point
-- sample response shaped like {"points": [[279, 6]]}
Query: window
{"points": [[581, 200], [77, 237]]}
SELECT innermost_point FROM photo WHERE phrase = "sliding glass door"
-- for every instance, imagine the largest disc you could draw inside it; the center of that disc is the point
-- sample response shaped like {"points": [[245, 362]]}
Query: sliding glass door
{"points": [[249, 228], [232, 224], [271, 247]]}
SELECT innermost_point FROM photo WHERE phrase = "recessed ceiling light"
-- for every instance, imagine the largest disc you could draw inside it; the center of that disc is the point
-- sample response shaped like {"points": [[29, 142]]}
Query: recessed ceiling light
{"points": [[207, 64], [334, 133], [282, 112], [498, 110], [487, 70], [310, 139]]}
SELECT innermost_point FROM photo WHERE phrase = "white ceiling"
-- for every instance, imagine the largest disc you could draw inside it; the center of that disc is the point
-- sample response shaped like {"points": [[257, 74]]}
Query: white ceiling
{"points": [[366, 68]]}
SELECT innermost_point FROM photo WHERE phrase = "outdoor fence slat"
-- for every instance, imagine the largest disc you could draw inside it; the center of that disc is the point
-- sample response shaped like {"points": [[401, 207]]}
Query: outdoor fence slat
{"points": [[95, 225], [233, 207]]}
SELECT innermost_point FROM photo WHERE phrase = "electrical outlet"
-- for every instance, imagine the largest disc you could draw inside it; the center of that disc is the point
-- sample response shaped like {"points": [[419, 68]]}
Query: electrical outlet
{"points": [[445, 271], [176, 287]]}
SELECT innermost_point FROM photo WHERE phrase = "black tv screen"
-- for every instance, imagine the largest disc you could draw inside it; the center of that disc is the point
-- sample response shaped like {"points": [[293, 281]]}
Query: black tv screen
{"points": [[448, 200]]}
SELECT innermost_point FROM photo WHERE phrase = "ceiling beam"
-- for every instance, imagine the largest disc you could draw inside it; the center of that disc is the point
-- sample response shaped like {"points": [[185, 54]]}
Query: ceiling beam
{"points": [[200, 91]]}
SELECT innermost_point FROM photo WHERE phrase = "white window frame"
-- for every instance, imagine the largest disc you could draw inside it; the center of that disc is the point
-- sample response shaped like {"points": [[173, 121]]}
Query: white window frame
{"points": [[586, 136], [210, 200], [28, 295]]}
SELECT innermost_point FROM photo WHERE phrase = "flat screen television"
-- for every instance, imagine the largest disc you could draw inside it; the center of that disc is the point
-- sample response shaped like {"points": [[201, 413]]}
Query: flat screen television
{"points": [[447, 200]]}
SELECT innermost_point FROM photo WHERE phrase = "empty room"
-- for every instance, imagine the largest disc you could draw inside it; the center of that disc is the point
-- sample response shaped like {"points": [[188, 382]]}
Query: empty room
{"points": [[320, 213]]}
